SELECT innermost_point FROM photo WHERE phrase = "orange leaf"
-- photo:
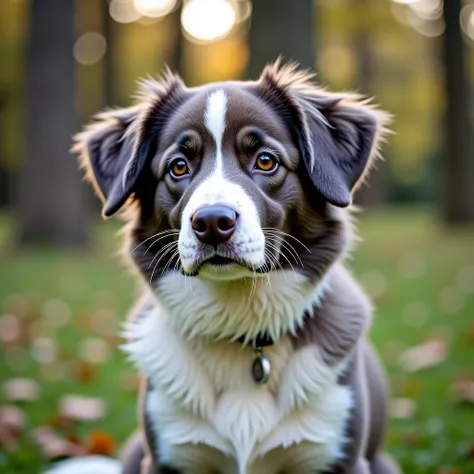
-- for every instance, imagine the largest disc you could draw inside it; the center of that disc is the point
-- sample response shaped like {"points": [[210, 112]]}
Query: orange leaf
{"points": [[84, 372], [101, 442]]}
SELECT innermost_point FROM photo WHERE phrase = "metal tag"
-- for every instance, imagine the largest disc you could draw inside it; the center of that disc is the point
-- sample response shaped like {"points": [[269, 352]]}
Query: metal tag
{"points": [[261, 369]]}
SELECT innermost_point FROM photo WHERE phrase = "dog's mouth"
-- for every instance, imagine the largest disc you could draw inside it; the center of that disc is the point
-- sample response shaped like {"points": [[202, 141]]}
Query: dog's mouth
{"points": [[221, 265], [219, 260]]}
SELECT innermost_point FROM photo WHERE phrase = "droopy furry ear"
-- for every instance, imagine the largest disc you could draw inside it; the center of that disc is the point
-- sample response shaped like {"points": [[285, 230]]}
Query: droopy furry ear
{"points": [[104, 149], [115, 147], [338, 134]]}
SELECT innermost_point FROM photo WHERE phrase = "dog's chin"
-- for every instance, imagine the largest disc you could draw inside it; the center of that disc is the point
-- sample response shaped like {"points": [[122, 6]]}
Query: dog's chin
{"points": [[219, 268]]}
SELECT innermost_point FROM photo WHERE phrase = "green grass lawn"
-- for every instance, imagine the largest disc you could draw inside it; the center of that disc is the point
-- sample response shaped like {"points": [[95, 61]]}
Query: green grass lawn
{"points": [[69, 306]]}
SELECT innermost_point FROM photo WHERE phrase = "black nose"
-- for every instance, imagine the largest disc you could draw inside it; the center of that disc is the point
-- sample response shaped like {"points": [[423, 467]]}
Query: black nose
{"points": [[214, 225]]}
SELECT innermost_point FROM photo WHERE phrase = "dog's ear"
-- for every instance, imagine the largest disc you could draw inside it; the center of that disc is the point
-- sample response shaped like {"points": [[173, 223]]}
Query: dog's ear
{"points": [[104, 147], [114, 149], [338, 135]]}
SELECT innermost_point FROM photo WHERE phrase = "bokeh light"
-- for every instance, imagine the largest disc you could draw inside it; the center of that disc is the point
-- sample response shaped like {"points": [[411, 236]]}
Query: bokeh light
{"points": [[89, 48], [424, 16], [124, 11], [208, 20], [404, 2], [428, 9], [467, 21], [243, 10], [154, 8]]}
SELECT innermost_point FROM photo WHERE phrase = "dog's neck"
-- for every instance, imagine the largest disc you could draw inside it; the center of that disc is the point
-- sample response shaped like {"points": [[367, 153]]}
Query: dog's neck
{"points": [[243, 309]]}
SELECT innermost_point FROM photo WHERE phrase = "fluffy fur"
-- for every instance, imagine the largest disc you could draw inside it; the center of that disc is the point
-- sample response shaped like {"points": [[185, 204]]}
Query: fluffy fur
{"points": [[280, 274]]}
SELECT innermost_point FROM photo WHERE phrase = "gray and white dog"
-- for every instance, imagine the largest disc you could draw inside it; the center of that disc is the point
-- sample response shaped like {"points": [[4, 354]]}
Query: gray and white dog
{"points": [[251, 334]]}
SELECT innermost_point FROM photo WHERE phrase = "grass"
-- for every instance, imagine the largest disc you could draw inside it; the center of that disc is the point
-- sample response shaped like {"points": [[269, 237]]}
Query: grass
{"points": [[420, 276]]}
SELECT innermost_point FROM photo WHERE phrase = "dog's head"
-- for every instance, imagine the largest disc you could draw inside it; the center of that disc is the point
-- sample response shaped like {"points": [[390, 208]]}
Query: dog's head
{"points": [[234, 179]]}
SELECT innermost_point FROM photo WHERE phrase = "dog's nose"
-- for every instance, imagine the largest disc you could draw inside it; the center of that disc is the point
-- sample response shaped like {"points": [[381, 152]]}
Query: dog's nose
{"points": [[214, 225]]}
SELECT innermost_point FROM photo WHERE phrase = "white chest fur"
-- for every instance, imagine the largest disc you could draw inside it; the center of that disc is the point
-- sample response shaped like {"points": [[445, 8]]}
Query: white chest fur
{"points": [[210, 416]]}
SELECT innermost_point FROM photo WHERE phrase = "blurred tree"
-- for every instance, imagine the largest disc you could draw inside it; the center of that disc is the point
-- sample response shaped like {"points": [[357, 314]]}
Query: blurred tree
{"points": [[52, 207], [458, 172], [280, 27], [174, 58], [374, 193], [109, 32]]}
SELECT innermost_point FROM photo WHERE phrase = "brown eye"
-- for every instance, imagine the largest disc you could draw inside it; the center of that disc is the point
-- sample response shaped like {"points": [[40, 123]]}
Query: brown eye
{"points": [[266, 162], [178, 168]]}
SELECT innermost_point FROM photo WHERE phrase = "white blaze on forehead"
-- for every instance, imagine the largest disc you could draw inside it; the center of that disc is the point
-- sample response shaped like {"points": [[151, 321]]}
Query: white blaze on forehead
{"points": [[248, 239], [214, 119]]}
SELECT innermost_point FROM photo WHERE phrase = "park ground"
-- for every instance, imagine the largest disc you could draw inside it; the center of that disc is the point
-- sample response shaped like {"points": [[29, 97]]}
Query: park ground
{"points": [[60, 314]]}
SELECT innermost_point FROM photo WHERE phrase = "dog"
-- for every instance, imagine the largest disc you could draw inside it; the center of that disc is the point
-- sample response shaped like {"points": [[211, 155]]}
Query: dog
{"points": [[251, 335]]}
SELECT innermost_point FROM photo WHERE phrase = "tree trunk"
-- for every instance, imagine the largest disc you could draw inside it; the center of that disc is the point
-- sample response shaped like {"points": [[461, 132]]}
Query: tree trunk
{"points": [[281, 27], [175, 56], [458, 170], [52, 208], [109, 32], [374, 193]]}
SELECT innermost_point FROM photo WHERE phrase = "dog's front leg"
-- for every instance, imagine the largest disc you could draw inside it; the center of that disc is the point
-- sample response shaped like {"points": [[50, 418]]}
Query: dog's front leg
{"points": [[149, 468], [361, 467]]}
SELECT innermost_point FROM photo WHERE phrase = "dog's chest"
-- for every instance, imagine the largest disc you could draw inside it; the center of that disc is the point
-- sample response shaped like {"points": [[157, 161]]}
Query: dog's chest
{"points": [[209, 416]]}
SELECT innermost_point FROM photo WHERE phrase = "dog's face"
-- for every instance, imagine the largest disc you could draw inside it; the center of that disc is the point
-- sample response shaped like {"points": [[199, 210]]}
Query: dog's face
{"points": [[225, 169], [236, 179]]}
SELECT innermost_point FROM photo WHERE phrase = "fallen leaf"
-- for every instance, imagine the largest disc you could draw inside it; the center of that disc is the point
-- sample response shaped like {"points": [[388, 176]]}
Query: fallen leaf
{"points": [[43, 435], [61, 422], [12, 421], [426, 355], [77, 407], [21, 390], [463, 391], [62, 448], [470, 451], [403, 408], [84, 372], [101, 442], [10, 329], [53, 446]]}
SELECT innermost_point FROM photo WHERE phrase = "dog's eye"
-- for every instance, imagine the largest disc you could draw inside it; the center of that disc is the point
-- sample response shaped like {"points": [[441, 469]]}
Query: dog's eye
{"points": [[266, 162], [178, 168]]}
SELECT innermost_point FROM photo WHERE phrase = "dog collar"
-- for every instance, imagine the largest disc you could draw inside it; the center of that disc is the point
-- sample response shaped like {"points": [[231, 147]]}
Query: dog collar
{"points": [[261, 367]]}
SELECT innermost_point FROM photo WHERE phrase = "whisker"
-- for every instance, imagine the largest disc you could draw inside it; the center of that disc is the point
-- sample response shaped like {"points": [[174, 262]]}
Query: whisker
{"points": [[167, 246], [154, 242], [253, 288], [280, 232], [169, 261], [277, 263], [274, 247], [167, 232], [267, 270], [287, 246], [158, 261]]}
